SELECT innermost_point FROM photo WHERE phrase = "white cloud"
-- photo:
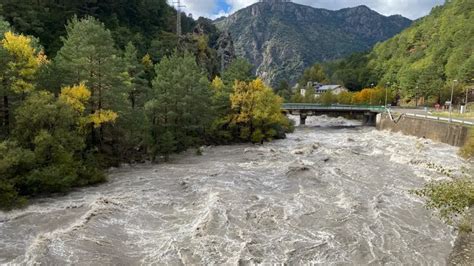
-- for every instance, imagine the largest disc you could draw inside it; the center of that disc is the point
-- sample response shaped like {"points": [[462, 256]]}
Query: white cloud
{"points": [[409, 8]]}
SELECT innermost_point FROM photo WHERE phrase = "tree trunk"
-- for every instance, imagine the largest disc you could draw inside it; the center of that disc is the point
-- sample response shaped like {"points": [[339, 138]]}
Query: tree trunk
{"points": [[6, 115]]}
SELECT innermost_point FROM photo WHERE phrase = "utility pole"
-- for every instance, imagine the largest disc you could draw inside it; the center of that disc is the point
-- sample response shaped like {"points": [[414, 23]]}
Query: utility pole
{"points": [[416, 97], [451, 103], [178, 17]]}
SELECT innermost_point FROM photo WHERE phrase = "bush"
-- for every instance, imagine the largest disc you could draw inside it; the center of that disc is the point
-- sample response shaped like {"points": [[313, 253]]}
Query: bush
{"points": [[9, 197], [467, 151], [451, 198]]}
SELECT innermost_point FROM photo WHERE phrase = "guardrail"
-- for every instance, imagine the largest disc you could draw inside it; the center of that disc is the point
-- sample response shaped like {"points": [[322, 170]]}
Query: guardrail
{"points": [[304, 106], [431, 117]]}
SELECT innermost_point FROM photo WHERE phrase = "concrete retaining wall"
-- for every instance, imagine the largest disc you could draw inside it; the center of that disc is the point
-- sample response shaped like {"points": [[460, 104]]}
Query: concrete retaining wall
{"points": [[452, 134]]}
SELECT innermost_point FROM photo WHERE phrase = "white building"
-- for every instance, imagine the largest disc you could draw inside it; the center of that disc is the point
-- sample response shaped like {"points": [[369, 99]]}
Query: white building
{"points": [[319, 89]]}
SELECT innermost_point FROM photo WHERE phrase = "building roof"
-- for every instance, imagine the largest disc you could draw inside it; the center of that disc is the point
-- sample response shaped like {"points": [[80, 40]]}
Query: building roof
{"points": [[328, 87]]}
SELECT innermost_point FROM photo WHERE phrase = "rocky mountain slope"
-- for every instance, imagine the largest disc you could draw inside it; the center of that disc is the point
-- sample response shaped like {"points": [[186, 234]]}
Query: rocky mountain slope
{"points": [[282, 38]]}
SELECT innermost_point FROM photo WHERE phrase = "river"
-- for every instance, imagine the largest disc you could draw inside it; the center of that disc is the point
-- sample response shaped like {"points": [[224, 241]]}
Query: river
{"points": [[331, 193]]}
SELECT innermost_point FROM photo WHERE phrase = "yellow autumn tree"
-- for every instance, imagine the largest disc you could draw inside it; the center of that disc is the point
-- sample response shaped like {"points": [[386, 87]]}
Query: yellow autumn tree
{"points": [[100, 117], [77, 97], [19, 63], [217, 84], [256, 111]]}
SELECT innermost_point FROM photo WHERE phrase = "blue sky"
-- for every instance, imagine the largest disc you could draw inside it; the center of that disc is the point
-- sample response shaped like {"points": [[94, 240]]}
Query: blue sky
{"points": [[409, 8]]}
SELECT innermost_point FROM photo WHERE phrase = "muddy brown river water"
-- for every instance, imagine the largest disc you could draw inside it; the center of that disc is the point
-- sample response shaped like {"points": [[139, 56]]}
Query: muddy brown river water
{"points": [[330, 193]]}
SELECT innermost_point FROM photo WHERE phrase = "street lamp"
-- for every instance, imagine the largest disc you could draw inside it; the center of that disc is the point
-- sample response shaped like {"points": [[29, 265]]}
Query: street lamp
{"points": [[386, 94], [451, 103], [416, 97]]}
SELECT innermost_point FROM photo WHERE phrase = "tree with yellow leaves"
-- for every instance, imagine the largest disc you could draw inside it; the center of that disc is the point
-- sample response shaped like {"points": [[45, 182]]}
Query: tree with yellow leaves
{"points": [[19, 63], [256, 112]]}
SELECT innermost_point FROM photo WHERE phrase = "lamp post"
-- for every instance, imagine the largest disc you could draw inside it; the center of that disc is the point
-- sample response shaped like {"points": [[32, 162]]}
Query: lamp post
{"points": [[372, 86], [386, 94], [416, 97], [451, 102]]}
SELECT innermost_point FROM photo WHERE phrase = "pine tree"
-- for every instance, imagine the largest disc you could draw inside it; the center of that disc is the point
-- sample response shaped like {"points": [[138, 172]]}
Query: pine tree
{"points": [[239, 70], [180, 102], [137, 83], [89, 56]]}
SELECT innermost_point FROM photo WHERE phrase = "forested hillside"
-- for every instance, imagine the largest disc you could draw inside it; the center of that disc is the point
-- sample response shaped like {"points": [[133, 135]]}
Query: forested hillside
{"points": [[139, 21], [79, 95], [424, 61]]}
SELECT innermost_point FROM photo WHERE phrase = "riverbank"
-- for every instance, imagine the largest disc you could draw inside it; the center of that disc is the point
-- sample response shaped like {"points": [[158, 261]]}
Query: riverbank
{"points": [[463, 251]]}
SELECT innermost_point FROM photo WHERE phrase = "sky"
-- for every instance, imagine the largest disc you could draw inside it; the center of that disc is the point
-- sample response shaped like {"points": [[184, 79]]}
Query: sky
{"points": [[412, 9]]}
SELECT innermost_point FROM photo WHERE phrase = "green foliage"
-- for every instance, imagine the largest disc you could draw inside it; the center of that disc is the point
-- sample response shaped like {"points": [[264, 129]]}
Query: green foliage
{"points": [[284, 90], [137, 21], [239, 70], [44, 154], [89, 56], [430, 54], [9, 197], [315, 73], [177, 112], [450, 198], [467, 151], [352, 72]]}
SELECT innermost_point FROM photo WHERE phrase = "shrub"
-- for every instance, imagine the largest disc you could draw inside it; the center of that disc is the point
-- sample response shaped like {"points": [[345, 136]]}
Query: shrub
{"points": [[451, 198], [467, 151]]}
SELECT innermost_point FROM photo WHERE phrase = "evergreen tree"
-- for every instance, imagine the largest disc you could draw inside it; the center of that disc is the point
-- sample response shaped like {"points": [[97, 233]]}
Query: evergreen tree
{"points": [[89, 56], [137, 83], [283, 90], [178, 111], [239, 70]]}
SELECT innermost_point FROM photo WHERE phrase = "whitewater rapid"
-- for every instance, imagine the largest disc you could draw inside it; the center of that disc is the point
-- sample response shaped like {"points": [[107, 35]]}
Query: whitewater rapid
{"points": [[331, 193]]}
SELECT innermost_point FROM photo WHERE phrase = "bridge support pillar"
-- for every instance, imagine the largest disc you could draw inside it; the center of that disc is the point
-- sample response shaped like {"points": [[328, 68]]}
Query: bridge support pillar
{"points": [[369, 119], [303, 117]]}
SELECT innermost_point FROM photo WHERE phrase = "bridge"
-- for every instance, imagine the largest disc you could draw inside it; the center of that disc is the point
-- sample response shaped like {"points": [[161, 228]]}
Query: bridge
{"points": [[367, 112]]}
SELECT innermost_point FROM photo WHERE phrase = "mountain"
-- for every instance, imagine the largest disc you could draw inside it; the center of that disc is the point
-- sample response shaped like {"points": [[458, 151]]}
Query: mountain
{"points": [[282, 38], [429, 55]]}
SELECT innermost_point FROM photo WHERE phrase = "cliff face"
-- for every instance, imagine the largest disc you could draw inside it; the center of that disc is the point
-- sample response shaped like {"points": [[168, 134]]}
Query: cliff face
{"points": [[282, 38]]}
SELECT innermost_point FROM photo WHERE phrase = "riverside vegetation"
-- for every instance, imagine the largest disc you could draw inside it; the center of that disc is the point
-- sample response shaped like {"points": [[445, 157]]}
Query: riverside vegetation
{"points": [[95, 104]]}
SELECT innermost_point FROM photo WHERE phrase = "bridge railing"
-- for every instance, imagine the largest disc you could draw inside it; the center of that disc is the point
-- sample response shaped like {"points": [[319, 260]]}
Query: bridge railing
{"points": [[308, 106]]}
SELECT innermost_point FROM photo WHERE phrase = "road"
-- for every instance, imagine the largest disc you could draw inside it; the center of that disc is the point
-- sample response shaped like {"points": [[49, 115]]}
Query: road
{"points": [[423, 112]]}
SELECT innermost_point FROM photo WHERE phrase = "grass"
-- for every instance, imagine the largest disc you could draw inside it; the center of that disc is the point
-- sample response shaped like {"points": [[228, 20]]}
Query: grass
{"points": [[467, 151], [465, 225]]}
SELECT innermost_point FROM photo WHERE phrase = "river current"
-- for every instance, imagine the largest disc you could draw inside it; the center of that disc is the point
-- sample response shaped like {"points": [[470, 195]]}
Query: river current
{"points": [[333, 192]]}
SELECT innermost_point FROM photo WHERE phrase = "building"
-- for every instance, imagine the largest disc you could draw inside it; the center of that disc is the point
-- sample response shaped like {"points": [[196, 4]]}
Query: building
{"points": [[319, 89], [335, 89]]}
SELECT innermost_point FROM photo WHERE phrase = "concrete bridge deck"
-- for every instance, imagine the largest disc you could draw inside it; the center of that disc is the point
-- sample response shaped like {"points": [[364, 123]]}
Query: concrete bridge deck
{"points": [[368, 112]]}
